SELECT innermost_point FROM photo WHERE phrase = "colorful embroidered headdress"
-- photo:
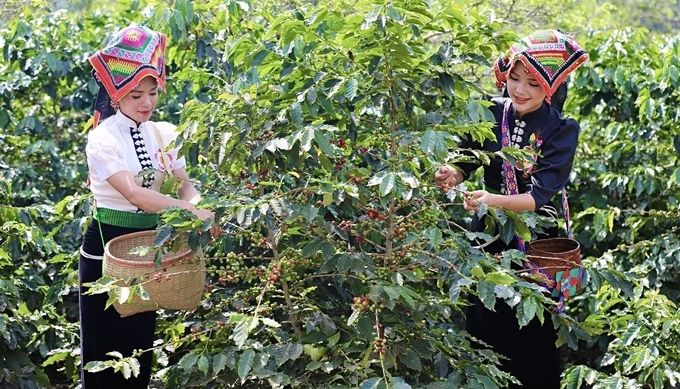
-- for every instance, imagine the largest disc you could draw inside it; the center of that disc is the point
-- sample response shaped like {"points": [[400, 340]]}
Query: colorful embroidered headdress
{"points": [[132, 54], [549, 55]]}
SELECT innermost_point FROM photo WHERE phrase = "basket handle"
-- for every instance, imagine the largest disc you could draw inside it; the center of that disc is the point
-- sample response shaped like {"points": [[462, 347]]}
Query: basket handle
{"points": [[565, 212], [161, 146]]}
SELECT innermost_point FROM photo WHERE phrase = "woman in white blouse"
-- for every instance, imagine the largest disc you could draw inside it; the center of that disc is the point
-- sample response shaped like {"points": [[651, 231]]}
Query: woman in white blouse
{"points": [[130, 70]]}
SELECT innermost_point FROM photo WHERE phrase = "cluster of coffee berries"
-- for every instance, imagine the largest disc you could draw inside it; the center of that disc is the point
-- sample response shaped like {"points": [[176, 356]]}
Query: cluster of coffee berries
{"points": [[345, 225], [340, 142], [429, 217], [302, 197], [340, 163], [373, 214], [359, 238], [158, 277], [383, 273], [292, 259], [231, 262], [258, 271], [361, 303], [402, 228], [352, 178], [227, 276], [380, 346], [195, 330], [256, 236], [274, 273]]}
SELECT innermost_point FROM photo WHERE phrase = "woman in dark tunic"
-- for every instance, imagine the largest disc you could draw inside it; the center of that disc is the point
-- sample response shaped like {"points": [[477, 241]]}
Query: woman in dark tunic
{"points": [[534, 73]]}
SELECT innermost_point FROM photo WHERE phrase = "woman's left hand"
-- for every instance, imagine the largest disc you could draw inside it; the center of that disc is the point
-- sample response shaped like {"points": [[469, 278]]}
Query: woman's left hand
{"points": [[215, 231], [477, 197]]}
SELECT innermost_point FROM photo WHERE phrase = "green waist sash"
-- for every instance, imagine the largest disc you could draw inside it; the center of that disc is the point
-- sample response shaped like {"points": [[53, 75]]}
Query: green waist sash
{"points": [[126, 219]]}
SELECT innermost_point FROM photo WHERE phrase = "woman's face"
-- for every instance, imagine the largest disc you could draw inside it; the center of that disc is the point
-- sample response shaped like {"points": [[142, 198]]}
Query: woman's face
{"points": [[525, 92], [139, 104]]}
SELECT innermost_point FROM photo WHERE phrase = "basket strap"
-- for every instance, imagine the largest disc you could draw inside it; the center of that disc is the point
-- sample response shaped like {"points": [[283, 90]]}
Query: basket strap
{"points": [[99, 224], [90, 256], [565, 211], [161, 146]]}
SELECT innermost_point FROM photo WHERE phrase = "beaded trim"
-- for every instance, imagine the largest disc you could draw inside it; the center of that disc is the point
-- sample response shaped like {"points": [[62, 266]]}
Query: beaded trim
{"points": [[517, 133], [515, 141], [143, 157]]}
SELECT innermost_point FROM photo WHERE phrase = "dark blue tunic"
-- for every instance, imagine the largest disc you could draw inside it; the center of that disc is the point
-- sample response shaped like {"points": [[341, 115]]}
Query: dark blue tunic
{"points": [[559, 138], [534, 359]]}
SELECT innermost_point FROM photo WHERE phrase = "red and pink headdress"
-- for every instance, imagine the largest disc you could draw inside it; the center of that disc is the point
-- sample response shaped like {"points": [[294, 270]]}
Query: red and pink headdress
{"points": [[549, 55], [132, 54]]}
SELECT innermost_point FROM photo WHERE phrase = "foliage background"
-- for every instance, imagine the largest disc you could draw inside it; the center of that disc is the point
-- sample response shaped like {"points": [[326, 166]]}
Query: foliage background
{"points": [[263, 93]]}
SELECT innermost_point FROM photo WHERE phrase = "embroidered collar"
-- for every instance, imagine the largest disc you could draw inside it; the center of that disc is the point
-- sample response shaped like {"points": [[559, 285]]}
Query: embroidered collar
{"points": [[125, 123], [531, 117]]}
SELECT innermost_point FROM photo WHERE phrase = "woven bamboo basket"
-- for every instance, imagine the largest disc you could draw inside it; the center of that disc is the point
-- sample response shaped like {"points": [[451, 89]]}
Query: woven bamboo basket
{"points": [[177, 284], [554, 254]]}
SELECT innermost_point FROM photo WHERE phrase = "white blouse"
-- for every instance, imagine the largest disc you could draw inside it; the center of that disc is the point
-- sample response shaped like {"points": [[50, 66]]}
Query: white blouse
{"points": [[111, 149]]}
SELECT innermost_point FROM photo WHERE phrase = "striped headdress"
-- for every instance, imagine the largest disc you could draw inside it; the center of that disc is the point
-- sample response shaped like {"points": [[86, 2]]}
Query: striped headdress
{"points": [[132, 54], [549, 55]]}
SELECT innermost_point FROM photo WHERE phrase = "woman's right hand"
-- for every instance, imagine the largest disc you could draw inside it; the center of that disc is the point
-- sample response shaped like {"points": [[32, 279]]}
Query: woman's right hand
{"points": [[204, 214], [448, 175]]}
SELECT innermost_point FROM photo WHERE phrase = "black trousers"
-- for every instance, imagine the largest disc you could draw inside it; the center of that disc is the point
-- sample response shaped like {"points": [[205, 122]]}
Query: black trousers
{"points": [[533, 358], [103, 330]]}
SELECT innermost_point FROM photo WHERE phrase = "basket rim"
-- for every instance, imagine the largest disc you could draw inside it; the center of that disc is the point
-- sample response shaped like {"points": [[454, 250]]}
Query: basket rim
{"points": [[145, 264], [542, 242]]}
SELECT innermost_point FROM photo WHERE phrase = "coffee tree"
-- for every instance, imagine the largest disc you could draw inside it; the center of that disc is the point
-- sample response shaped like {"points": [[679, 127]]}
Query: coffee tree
{"points": [[314, 131], [342, 265], [627, 191]]}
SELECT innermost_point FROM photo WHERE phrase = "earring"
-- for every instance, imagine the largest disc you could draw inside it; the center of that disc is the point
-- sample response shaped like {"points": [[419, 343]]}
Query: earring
{"points": [[114, 104]]}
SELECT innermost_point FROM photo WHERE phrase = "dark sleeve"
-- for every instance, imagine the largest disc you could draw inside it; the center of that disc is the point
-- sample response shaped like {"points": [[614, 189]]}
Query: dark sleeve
{"points": [[468, 168], [554, 165]]}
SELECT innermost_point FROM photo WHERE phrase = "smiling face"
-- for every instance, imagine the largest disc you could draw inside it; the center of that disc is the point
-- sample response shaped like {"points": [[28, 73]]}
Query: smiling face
{"points": [[139, 104], [525, 92]]}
